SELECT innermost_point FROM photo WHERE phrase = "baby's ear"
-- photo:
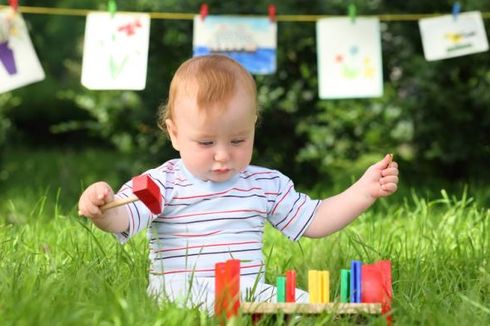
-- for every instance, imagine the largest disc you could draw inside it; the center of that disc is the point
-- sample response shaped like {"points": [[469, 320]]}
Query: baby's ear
{"points": [[172, 132]]}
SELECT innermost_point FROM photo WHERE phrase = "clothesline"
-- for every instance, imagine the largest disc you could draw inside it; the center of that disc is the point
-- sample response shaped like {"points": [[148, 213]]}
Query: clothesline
{"points": [[190, 16]]}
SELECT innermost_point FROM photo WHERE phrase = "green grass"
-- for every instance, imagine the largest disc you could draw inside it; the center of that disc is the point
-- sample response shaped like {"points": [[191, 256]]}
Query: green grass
{"points": [[58, 269]]}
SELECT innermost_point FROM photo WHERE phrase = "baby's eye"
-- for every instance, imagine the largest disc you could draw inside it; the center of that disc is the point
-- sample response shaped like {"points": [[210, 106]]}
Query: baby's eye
{"points": [[205, 143], [237, 141]]}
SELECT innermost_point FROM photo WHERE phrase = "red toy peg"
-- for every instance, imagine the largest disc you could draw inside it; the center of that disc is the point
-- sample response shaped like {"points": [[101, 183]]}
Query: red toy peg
{"points": [[220, 302], [233, 285], [203, 11], [144, 189], [291, 286], [272, 12], [376, 285]]}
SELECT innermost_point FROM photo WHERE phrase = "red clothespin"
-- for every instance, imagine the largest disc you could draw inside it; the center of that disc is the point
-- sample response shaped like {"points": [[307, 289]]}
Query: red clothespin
{"points": [[14, 4], [272, 12], [203, 11]]}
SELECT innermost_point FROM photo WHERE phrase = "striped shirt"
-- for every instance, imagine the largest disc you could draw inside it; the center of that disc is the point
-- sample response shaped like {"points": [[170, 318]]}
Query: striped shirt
{"points": [[204, 222]]}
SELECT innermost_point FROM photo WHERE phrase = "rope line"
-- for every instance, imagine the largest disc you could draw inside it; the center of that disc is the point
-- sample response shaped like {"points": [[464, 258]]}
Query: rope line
{"points": [[190, 16]]}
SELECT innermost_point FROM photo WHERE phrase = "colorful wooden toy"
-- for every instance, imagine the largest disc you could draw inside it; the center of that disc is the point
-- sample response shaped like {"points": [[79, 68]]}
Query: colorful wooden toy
{"points": [[281, 289], [355, 281], [319, 286], [227, 288], [291, 286], [369, 284], [313, 286], [344, 285], [219, 289], [325, 286], [144, 189], [376, 285]]}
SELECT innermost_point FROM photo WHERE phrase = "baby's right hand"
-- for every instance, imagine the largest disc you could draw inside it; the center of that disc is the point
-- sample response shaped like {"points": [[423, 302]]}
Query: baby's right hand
{"points": [[93, 198]]}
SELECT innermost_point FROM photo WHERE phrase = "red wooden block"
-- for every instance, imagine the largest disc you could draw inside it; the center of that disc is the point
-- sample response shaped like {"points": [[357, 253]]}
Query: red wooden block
{"points": [[148, 192], [233, 287], [220, 301], [376, 285], [291, 286]]}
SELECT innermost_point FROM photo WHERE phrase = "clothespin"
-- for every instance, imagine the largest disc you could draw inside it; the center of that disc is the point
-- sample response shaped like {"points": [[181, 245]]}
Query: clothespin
{"points": [[203, 12], [456, 10], [272, 12], [352, 11], [14, 4], [112, 7]]}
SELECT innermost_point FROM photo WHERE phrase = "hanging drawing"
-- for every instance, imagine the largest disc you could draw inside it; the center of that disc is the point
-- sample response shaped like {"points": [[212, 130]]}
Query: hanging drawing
{"points": [[19, 64], [349, 58], [252, 41], [115, 52], [452, 36]]}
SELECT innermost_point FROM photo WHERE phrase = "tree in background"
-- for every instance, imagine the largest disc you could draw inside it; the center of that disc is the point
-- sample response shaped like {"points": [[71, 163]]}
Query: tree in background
{"points": [[434, 115]]}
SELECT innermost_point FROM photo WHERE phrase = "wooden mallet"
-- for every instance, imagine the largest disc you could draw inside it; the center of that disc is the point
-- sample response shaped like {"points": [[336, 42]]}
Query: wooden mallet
{"points": [[144, 189]]}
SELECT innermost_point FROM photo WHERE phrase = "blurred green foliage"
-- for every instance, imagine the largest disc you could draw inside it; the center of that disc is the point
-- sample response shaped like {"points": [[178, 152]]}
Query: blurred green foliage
{"points": [[433, 116]]}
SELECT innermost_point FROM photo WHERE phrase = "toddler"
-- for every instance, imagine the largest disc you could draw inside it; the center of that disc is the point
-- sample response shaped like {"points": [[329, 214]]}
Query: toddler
{"points": [[215, 204]]}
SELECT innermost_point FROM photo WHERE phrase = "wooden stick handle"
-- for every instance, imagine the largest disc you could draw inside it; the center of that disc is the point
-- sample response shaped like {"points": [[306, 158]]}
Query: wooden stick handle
{"points": [[119, 202]]}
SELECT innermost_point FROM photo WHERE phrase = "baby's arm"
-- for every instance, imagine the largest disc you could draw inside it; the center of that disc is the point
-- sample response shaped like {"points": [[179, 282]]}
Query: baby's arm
{"points": [[93, 198], [334, 213]]}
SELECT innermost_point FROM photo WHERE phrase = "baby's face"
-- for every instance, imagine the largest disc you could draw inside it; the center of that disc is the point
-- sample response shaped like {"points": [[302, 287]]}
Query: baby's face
{"points": [[216, 142]]}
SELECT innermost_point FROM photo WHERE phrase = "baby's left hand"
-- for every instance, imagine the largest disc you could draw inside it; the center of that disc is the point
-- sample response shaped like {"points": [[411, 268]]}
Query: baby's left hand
{"points": [[381, 178]]}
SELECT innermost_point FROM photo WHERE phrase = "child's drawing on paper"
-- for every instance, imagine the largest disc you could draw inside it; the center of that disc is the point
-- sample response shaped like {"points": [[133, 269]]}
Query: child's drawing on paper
{"points": [[448, 36], [250, 41], [353, 64], [115, 51], [349, 58], [19, 64]]}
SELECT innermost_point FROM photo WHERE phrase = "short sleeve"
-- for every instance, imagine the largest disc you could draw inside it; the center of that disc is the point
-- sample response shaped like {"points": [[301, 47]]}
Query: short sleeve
{"points": [[289, 211], [140, 217]]}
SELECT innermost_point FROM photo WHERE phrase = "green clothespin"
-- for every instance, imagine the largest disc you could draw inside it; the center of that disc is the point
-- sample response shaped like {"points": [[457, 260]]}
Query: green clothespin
{"points": [[112, 7], [352, 11]]}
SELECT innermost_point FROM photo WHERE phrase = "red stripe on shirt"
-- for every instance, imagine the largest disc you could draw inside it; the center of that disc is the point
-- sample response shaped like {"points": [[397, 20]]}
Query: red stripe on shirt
{"points": [[215, 212], [198, 270], [209, 245], [218, 193], [256, 173], [296, 214], [195, 234], [287, 192]]}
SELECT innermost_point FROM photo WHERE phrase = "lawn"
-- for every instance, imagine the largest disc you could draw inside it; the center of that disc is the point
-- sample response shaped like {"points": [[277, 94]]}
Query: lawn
{"points": [[58, 269]]}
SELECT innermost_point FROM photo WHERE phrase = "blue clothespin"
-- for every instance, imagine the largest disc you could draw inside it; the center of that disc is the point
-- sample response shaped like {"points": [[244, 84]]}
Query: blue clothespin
{"points": [[456, 10], [112, 7], [352, 11]]}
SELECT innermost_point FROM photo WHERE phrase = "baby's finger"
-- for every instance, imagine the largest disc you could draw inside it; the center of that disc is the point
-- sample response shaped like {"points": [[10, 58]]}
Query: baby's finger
{"points": [[100, 196], [389, 187], [389, 171], [94, 212], [388, 179]]}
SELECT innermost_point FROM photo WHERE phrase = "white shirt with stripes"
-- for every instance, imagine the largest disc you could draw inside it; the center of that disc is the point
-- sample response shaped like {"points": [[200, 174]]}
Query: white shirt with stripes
{"points": [[204, 222]]}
